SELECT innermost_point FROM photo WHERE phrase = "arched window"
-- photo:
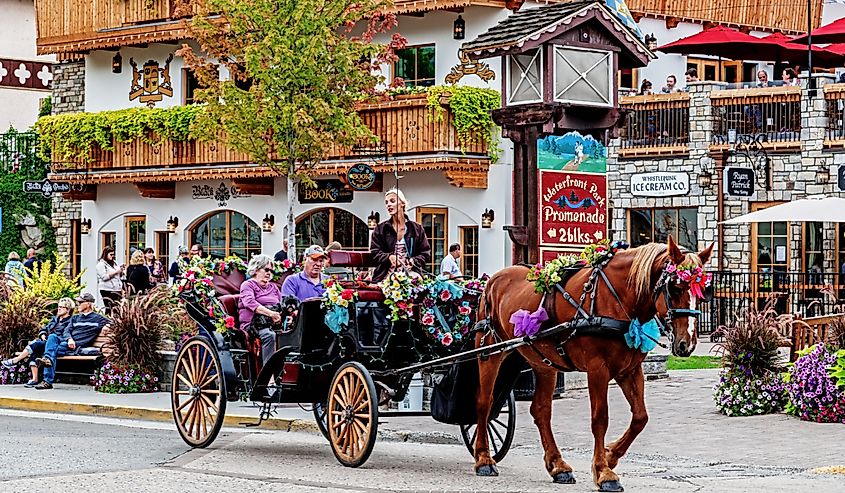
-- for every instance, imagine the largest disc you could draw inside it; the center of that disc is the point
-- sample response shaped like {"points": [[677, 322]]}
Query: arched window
{"points": [[225, 233], [324, 226]]}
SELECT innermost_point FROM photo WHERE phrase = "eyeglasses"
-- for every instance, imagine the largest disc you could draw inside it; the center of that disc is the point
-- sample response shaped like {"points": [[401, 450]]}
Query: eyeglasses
{"points": [[267, 269]]}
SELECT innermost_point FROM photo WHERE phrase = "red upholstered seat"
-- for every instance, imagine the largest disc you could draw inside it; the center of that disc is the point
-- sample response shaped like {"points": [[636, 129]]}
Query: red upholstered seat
{"points": [[230, 304], [229, 283], [349, 258], [370, 295]]}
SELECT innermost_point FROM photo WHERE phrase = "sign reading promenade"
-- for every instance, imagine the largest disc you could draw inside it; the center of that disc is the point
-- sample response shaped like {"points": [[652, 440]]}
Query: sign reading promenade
{"points": [[573, 208]]}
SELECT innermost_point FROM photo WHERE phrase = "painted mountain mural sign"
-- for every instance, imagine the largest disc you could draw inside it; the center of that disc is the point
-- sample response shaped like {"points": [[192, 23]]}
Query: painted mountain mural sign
{"points": [[573, 208]]}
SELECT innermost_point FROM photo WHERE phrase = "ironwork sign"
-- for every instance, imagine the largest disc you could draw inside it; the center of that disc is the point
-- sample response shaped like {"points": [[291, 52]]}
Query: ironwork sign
{"points": [[46, 187], [840, 173], [151, 83], [361, 177], [326, 191], [739, 182], [222, 193]]}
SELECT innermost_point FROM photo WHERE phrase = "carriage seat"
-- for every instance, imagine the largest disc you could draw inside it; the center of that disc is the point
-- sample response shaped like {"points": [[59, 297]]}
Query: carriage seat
{"points": [[350, 258], [230, 304]]}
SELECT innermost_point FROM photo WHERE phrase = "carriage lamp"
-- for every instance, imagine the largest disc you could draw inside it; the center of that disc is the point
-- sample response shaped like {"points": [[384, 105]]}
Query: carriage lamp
{"points": [[822, 175], [268, 222], [85, 226], [705, 178], [117, 63], [373, 220], [487, 218], [651, 41], [459, 28], [172, 223]]}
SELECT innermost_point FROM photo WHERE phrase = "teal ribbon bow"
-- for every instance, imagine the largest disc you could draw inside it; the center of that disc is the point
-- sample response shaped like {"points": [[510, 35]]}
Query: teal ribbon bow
{"points": [[336, 318], [642, 336]]}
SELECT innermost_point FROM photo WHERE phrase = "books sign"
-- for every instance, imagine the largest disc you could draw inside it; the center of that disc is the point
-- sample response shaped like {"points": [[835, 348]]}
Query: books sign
{"points": [[573, 208], [326, 191], [659, 184], [739, 182]]}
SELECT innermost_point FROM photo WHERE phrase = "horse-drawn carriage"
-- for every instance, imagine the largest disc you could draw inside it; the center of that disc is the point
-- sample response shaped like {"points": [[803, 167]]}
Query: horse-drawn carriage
{"points": [[347, 376]]}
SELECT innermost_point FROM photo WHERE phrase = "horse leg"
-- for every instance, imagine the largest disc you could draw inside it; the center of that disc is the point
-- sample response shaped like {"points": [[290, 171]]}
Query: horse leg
{"points": [[603, 476], [487, 371], [541, 409], [633, 386]]}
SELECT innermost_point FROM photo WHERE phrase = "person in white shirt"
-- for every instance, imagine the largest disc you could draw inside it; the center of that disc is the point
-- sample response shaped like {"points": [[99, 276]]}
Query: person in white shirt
{"points": [[449, 266]]}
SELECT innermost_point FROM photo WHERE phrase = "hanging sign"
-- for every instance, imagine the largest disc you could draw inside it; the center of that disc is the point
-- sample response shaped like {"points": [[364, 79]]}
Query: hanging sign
{"points": [[326, 192], [46, 187], [549, 254], [222, 193], [573, 208], [840, 173], [739, 182], [361, 177], [659, 184]]}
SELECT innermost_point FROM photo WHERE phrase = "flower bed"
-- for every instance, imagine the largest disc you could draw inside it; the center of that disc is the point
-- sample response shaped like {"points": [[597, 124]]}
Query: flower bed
{"points": [[15, 375], [740, 394], [813, 391], [130, 379]]}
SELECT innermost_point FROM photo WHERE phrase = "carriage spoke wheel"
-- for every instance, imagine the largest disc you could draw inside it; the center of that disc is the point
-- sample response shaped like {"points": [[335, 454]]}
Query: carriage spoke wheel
{"points": [[500, 431], [352, 414], [320, 417], [198, 395]]}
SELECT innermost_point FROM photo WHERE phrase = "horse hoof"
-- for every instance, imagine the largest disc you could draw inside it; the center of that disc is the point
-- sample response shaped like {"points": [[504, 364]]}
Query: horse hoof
{"points": [[611, 486], [487, 470], [565, 477]]}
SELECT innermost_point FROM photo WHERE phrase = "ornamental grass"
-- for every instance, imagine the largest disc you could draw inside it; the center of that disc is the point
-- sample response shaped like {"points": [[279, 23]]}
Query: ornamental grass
{"points": [[21, 315], [139, 324]]}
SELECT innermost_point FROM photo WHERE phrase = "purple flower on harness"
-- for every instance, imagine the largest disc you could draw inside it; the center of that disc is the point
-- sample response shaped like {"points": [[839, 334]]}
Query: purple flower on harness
{"points": [[527, 323]]}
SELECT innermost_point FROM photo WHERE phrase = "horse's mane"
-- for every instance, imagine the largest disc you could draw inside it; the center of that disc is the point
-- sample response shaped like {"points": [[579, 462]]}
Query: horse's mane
{"points": [[639, 278]]}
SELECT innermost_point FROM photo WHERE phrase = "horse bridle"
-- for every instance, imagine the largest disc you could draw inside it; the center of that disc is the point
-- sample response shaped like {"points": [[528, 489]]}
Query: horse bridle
{"points": [[666, 327]]}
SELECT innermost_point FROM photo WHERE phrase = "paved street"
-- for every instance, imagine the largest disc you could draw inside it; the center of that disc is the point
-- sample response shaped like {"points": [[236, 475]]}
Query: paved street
{"points": [[686, 447]]}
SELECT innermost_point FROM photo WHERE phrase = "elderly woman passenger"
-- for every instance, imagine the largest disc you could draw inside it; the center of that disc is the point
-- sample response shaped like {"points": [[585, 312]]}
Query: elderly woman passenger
{"points": [[398, 242], [257, 293]]}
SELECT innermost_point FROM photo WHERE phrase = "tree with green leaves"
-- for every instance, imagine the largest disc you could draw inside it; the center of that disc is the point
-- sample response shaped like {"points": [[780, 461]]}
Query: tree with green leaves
{"points": [[296, 71]]}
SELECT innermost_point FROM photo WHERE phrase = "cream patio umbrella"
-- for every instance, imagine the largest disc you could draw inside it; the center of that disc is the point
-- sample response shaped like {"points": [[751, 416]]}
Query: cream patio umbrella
{"points": [[826, 209]]}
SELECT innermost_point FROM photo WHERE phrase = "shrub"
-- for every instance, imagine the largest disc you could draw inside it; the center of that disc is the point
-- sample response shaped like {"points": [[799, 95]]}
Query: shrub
{"points": [[130, 379], [49, 281], [813, 391], [15, 375], [20, 318], [138, 327]]}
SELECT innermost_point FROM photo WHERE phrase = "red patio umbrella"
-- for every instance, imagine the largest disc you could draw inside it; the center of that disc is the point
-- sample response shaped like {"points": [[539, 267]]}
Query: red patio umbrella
{"points": [[795, 52], [830, 33], [718, 41]]}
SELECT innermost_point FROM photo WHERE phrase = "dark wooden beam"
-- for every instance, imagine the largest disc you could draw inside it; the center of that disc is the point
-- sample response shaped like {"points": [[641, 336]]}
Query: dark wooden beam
{"points": [[157, 190], [88, 192], [254, 186], [672, 22]]}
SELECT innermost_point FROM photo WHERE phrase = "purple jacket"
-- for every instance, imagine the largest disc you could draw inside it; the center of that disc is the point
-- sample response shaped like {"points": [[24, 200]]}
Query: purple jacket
{"points": [[253, 296]]}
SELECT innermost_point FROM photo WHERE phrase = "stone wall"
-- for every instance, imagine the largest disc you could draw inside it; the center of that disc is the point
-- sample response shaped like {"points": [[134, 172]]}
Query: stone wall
{"points": [[793, 177], [68, 97]]}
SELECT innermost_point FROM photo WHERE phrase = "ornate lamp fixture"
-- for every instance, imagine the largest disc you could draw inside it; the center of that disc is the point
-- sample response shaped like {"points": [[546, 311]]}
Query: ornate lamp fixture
{"points": [[651, 41], [459, 28], [822, 175], [487, 218], [85, 226], [117, 63], [373, 220], [268, 222], [172, 224]]}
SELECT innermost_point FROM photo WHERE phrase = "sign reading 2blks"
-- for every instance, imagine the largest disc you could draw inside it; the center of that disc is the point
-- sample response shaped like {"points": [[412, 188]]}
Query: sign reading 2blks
{"points": [[739, 182]]}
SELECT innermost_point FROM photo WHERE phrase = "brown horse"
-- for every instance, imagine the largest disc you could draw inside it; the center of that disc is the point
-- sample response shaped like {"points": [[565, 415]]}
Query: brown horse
{"points": [[644, 290]]}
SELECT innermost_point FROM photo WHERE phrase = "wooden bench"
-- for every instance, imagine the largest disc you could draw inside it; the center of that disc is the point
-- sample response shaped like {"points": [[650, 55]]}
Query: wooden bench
{"points": [[66, 364], [812, 331]]}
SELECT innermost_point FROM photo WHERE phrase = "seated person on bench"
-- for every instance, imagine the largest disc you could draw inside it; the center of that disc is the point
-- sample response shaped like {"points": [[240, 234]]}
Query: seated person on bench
{"points": [[309, 282], [80, 332], [258, 293], [35, 348]]}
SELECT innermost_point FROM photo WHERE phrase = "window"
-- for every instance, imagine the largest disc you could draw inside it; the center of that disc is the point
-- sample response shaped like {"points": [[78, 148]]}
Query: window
{"points": [[75, 247], [655, 225], [525, 77], [583, 76], [626, 80], [226, 233], [162, 248], [415, 65], [190, 85], [770, 244], [434, 221], [136, 234], [469, 250], [324, 226], [108, 239]]}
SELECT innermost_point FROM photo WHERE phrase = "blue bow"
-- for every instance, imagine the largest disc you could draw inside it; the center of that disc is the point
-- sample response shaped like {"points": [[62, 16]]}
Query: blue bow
{"points": [[642, 336], [336, 318]]}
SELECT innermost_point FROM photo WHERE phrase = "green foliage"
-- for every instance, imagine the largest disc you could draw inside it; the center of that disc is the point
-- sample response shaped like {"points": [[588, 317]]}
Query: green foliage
{"points": [[837, 370], [20, 163], [693, 363], [21, 315], [46, 107], [49, 281], [71, 137], [472, 118], [751, 345]]}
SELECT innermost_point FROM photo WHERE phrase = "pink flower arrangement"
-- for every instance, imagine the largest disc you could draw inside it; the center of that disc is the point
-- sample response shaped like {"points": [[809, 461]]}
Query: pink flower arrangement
{"points": [[230, 322], [445, 295], [428, 318], [347, 294], [447, 339]]}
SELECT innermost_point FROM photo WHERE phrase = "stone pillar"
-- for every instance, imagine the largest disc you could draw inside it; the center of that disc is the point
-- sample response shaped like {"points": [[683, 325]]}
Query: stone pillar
{"points": [[68, 97]]}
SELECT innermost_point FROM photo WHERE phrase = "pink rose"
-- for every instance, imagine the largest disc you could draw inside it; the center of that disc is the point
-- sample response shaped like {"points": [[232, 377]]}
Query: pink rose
{"points": [[671, 268], [210, 311], [346, 294], [428, 319], [445, 295], [230, 322], [447, 339], [464, 310]]}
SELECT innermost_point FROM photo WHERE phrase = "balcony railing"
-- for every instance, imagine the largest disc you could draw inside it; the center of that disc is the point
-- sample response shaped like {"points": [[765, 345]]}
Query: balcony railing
{"points": [[17, 151], [656, 124], [406, 125], [774, 112], [834, 95]]}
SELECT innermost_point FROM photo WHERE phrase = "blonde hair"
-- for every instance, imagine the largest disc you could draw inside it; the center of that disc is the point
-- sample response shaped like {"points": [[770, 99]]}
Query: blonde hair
{"points": [[399, 195], [67, 303], [137, 258], [14, 256]]}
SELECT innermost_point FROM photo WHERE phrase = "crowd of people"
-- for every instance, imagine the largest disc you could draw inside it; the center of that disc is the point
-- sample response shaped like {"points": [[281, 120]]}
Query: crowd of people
{"points": [[789, 77]]}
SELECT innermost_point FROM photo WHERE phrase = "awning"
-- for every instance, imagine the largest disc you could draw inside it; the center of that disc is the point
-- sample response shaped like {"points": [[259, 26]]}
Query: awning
{"points": [[828, 209]]}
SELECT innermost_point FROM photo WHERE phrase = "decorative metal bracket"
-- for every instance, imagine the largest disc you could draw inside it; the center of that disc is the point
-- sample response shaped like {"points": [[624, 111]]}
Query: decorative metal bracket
{"points": [[468, 67], [750, 147]]}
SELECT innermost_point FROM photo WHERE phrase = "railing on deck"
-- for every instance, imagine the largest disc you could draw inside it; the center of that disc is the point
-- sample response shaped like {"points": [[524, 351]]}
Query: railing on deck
{"points": [[834, 95], [774, 112], [82, 19], [17, 149], [655, 124], [801, 293], [406, 125]]}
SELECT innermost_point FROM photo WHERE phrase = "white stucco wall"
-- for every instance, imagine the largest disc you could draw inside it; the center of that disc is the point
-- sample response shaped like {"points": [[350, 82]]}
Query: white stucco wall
{"points": [[18, 107]]}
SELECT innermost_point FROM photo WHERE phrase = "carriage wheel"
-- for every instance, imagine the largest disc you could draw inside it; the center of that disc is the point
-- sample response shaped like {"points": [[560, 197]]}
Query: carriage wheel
{"points": [[352, 414], [198, 393], [500, 431], [320, 417]]}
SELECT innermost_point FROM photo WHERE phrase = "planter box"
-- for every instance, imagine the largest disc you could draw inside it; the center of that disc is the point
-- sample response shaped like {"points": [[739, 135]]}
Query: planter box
{"points": [[654, 366], [165, 372]]}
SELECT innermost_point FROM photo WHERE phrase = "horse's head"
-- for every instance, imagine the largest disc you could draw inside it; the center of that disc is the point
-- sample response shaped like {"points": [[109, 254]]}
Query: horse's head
{"points": [[681, 285]]}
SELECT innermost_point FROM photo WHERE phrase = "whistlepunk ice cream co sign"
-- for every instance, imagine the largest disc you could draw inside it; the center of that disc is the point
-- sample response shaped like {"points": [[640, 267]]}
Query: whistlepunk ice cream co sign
{"points": [[573, 208]]}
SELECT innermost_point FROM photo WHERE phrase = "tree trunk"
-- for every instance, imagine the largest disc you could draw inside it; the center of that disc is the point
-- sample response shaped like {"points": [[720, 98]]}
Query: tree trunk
{"points": [[291, 224]]}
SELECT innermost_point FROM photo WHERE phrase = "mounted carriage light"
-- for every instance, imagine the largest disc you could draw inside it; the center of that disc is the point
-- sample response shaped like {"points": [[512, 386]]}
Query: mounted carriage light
{"points": [[459, 28], [117, 63], [487, 218], [172, 223], [822, 175], [85, 226], [651, 41], [705, 177], [373, 220], [268, 222]]}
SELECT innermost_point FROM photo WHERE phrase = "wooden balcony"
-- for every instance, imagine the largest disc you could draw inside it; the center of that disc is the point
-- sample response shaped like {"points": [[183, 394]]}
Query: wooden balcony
{"points": [[771, 112], [657, 125], [416, 141]]}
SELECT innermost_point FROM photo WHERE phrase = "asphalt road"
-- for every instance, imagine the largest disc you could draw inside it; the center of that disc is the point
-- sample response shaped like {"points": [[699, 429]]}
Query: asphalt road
{"points": [[46, 453]]}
